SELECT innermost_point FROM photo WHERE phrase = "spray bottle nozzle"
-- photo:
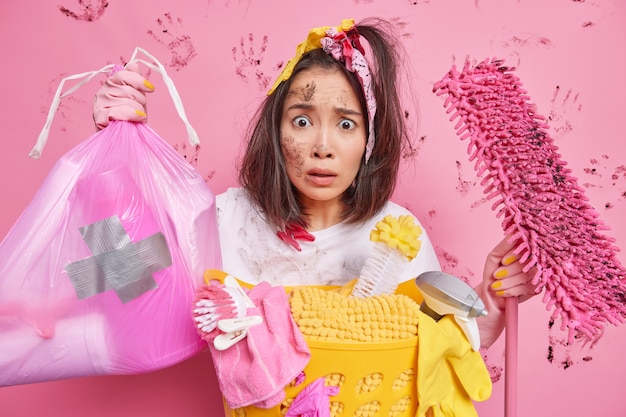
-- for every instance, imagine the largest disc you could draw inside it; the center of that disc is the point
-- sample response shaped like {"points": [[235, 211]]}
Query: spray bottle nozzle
{"points": [[446, 294]]}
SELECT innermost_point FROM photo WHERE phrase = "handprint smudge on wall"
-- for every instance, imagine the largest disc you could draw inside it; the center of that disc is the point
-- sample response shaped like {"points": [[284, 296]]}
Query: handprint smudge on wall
{"points": [[495, 371], [192, 157], [448, 260], [413, 148], [560, 107], [599, 169], [179, 44], [401, 26], [249, 62], [89, 10], [463, 185], [515, 43], [67, 105], [562, 355]]}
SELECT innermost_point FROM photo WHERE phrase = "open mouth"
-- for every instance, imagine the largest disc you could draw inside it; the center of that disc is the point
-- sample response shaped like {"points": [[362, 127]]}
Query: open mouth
{"points": [[321, 177]]}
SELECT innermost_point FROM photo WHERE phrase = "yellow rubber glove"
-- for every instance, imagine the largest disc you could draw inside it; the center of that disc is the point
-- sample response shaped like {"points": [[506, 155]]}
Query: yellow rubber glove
{"points": [[450, 374]]}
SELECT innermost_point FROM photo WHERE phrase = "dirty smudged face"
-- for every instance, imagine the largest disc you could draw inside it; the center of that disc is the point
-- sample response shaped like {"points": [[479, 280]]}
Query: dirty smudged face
{"points": [[323, 134]]}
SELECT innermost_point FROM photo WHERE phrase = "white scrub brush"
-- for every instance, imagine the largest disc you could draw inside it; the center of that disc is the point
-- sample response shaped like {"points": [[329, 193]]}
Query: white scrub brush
{"points": [[396, 244]]}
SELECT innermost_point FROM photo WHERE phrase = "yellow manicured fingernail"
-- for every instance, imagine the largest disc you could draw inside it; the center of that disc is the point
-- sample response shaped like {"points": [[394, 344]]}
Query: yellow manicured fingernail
{"points": [[509, 260], [496, 285], [501, 273], [499, 293], [140, 113], [148, 84]]}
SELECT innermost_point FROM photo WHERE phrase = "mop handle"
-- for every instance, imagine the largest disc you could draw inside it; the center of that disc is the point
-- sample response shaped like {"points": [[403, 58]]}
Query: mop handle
{"points": [[510, 358]]}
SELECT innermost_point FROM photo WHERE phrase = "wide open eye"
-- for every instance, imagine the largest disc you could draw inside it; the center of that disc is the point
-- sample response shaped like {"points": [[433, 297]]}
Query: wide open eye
{"points": [[346, 124], [301, 121]]}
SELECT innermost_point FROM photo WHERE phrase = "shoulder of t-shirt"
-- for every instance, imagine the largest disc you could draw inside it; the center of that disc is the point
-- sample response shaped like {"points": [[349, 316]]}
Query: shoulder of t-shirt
{"points": [[392, 206], [229, 196], [395, 209], [228, 202]]}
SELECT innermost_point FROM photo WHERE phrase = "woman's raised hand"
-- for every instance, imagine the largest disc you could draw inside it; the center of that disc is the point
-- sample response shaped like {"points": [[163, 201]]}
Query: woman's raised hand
{"points": [[122, 97]]}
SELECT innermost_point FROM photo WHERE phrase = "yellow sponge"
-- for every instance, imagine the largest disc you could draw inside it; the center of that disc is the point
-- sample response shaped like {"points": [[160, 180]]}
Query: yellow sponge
{"points": [[330, 315]]}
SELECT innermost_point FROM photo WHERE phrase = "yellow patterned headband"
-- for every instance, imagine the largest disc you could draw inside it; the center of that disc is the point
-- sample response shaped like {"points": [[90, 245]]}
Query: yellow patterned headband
{"points": [[313, 41], [342, 43]]}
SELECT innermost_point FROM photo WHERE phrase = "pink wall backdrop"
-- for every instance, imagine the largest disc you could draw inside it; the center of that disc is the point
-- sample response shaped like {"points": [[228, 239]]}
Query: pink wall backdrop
{"points": [[223, 54]]}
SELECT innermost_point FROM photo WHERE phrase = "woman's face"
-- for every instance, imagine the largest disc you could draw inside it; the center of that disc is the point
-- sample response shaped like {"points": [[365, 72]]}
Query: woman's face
{"points": [[323, 134]]}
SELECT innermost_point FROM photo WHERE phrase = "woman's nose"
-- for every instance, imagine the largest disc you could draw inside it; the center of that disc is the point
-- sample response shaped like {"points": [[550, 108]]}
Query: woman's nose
{"points": [[321, 148], [322, 151]]}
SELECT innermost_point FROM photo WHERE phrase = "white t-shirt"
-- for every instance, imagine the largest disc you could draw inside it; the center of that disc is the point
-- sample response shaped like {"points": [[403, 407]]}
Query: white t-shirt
{"points": [[253, 252]]}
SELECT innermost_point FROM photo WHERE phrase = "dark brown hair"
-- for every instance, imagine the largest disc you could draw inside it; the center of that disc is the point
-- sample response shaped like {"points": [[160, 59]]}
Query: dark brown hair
{"points": [[263, 173]]}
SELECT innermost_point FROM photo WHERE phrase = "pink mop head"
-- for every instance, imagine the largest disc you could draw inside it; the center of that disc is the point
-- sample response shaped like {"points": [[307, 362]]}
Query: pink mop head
{"points": [[537, 197]]}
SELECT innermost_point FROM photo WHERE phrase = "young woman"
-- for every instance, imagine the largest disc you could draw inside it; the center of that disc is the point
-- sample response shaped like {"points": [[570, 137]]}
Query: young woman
{"points": [[321, 163]]}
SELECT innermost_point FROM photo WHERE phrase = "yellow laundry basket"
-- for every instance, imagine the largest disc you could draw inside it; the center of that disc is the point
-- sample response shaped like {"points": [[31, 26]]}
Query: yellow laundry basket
{"points": [[375, 379]]}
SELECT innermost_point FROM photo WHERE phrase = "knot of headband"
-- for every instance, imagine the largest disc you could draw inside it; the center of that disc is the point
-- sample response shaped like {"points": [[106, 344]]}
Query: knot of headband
{"points": [[344, 45]]}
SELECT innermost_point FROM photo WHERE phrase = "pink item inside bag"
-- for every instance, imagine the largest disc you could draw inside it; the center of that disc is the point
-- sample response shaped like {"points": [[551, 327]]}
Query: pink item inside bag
{"points": [[97, 274]]}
